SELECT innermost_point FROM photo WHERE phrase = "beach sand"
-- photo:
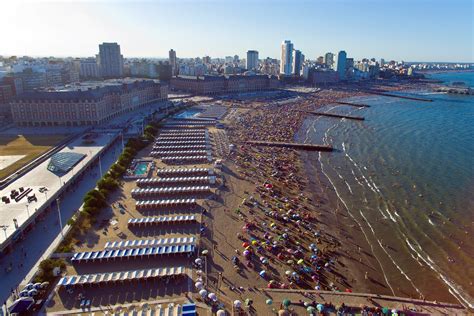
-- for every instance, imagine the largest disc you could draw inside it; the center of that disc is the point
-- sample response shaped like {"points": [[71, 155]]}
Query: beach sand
{"points": [[345, 261]]}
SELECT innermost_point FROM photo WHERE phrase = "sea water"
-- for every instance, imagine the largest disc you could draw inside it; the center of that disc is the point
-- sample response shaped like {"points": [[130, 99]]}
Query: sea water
{"points": [[406, 175]]}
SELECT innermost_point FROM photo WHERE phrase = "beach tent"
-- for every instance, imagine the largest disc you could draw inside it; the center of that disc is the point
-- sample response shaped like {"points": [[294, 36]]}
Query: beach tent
{"points": [[21, 305]]}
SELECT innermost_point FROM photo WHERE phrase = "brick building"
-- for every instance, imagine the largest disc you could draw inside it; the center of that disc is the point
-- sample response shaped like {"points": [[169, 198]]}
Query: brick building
{"points": [[89, 103], [224, 84]]}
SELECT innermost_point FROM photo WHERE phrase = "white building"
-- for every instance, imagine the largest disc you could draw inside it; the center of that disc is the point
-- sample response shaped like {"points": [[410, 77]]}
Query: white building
{"points": [[89, 68], [286, 60]]}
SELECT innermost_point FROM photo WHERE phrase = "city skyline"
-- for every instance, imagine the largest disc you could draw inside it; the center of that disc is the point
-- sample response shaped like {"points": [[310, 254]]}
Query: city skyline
{"points": [[151, 29]]}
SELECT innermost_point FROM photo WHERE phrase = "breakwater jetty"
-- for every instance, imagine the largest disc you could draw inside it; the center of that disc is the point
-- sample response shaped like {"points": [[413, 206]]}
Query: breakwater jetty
{"points": [[399, 96], [309, 147], [359, 105], [349, 117]]}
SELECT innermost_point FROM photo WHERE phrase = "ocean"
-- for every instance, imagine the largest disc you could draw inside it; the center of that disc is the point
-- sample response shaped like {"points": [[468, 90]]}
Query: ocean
{"points": [[406, 176]]}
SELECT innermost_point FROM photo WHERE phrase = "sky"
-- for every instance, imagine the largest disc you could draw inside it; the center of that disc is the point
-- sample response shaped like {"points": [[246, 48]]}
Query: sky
{"points": [[409, 30]]}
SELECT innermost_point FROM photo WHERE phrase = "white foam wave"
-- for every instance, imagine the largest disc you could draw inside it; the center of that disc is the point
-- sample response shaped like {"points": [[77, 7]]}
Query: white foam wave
{"points": [[357, 222], [388, 255]]}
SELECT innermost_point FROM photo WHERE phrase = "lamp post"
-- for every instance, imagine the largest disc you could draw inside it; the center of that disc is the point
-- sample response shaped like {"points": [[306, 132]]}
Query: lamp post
{"points": [[4, 227], [59, 215]]}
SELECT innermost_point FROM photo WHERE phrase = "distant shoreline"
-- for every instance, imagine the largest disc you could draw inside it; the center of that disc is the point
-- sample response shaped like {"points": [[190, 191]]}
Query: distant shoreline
{"points": [[444, 71]]}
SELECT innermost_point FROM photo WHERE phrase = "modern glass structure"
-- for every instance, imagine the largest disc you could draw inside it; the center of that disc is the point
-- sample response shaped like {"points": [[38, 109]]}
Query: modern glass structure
{"points": [[341, 65], [63, 162]]}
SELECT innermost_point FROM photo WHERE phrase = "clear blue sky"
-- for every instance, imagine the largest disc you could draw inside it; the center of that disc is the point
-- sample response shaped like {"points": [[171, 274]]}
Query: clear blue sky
{"points": [[410, 30]]}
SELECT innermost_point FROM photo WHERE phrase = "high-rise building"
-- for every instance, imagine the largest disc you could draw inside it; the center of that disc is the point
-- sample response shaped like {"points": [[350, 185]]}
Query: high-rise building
{"points": [[110, 60], [341, 64], [297, 62], [172, 60], [286, 60], [252, 59], [329, 60], [236, 59], [206, 60]]}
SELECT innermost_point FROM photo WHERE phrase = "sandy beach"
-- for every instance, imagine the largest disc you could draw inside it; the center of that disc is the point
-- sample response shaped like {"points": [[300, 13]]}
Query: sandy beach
{"points": [[273, 226]]}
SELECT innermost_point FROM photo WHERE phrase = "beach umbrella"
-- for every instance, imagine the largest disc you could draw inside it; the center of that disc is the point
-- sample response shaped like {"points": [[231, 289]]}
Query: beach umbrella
{"points": [[44, 285], [262, 273], [269, 302], [221, 312], [317, 288], [212, 296], [311, 309], [246, 253], [385, 310], [301, 261], [29, 286], [205, 252], [314, 277], [23, 293], [286, 302], [145, 307], [348, 291], [198, 285], [37, 286], [245, 244], [287, 272], [320, 307], [32, 292], [198, 261], [290, 261], [237, 303], [203, 292], [254, 242]]}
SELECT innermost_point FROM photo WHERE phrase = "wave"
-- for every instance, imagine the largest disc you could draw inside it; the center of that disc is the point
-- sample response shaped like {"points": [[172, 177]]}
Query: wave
{"points": [[388, 255], [352, 215]]}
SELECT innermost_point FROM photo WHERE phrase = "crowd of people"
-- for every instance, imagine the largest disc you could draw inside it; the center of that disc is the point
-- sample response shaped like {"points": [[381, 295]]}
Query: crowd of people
{"points": [[281, 238]]}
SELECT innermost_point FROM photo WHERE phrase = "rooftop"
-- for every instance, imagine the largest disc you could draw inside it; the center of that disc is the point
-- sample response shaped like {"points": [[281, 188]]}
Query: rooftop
{"points": [[88, 89]]}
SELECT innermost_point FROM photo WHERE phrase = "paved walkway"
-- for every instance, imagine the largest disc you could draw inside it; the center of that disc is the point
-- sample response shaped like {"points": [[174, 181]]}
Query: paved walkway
{"points": [[38, 243]]}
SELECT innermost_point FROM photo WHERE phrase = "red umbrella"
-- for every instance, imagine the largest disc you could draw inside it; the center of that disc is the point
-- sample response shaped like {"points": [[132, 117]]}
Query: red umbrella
{"points": [[348, 291], [245, 244]]}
